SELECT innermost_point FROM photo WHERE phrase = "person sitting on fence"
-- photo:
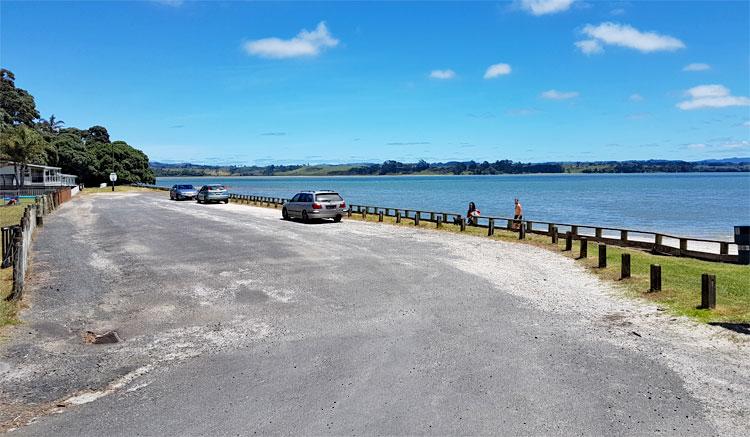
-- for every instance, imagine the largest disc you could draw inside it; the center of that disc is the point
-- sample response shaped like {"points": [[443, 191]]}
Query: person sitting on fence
{"points": [[517, 214], [472, 214]]}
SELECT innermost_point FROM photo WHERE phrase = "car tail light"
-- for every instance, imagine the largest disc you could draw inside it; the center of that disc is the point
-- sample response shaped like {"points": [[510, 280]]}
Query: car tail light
{"points": [[316, 205], [343, 205]]}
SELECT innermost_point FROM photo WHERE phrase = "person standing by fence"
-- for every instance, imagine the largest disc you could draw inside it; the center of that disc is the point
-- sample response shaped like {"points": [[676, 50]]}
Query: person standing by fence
{"points": [[472, 214], [517, 214]]}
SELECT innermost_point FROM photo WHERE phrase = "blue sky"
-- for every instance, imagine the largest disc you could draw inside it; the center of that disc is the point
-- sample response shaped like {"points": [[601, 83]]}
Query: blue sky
{"points": [[284, 82]]}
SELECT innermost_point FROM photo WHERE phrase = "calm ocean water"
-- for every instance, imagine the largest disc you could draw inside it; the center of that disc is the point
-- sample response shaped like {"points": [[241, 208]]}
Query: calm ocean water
{"points": [[691, 204]]}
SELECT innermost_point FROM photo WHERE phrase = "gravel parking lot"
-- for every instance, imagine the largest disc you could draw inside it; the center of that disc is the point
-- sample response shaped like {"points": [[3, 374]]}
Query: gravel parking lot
{"points": [[235, 322]]}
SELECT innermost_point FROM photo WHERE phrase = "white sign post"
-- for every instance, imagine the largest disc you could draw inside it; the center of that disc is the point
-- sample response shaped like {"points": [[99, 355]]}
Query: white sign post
{"points": [[113, 178]]}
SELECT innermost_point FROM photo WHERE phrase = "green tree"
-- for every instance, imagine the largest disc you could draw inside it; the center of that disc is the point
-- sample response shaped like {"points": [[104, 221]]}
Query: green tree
{"points": [[51, 125], [22, 145], [16, 105]]}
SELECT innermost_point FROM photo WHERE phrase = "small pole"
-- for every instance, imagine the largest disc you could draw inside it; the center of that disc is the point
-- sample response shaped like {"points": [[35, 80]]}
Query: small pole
{"points": [[624, 235], [553, 234], [568, 241], [598, 232], [380, 216], [432, 216], [602, 256], [438, 221], [708, 291], [491, 228], [364, 214], [398, 216], [522, 231], [584, 248], [625, 266], [655, 277], [417, 215], [461, 223]]}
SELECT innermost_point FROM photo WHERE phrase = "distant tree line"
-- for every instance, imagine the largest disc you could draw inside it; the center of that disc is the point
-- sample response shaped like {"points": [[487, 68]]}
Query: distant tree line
{"points": [[386, 168], [26, 138]]}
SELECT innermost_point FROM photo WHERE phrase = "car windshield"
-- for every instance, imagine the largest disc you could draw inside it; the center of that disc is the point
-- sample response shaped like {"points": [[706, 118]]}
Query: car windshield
{"points": [[215, 187], [328, 197], [185, 187]]}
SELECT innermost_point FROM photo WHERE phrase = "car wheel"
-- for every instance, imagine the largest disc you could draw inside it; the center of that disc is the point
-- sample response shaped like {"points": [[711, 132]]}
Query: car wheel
{"points": [[285, 214], [171, 197], [226, 200], [197, 199], [304, 217], [337, 219]]}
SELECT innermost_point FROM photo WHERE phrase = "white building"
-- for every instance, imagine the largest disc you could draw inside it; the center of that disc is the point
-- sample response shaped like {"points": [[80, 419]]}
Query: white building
{"points": [[36, 176]]}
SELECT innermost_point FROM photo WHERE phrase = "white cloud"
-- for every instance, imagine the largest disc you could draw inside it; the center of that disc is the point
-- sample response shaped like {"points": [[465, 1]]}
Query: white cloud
{"points": [[497, 70], [589, 46], [696, 146], [544, 7], [617, 11], [635, 97], [442, 74], [559, 95], [306, 43], [624, 35], [711, 96], [696, 67]]}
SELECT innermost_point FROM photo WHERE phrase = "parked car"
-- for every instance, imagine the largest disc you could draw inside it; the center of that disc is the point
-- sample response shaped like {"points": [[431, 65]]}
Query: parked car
{"points": [[315, 204], [212, 193], [180, 192]]}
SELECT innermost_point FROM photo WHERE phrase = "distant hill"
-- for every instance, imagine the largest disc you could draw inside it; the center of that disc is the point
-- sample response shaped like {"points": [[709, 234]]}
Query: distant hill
{"points": [[455, 168], [725, 161]]}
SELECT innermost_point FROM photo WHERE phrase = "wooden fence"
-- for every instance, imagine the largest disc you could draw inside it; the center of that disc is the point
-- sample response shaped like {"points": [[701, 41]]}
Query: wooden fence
{"points": [[659, 243], [689, 247], [16, 240]]}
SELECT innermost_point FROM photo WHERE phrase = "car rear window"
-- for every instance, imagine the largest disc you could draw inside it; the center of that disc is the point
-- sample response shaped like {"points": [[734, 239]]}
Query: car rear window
{"points": [[328, 197], [216, 187], [185, 187]]}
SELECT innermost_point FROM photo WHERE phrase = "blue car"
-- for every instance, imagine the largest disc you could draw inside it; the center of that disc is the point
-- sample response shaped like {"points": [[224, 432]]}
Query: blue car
{"points": [[181, 192]]}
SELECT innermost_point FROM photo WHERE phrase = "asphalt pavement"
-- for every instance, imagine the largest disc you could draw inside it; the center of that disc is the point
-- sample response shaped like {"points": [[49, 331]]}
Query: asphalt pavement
{"points": [[235, 322]]}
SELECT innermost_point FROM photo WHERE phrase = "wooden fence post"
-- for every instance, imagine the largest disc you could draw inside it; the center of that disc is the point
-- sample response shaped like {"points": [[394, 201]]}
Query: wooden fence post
{"points": [[708, 291], [491, 227], [584, 248], [574, 230], [598, 233], [18, 270], [39, 212], [522, 231], [417, 215], [380, 216], [624, 235], [398, 216], [461, 223], [602, 256], [655, 277], [625, 266], [568, 241], [438, 221]]}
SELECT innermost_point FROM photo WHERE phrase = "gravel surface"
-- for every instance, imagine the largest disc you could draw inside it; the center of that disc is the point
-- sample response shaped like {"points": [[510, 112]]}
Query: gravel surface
{"points": [[236, 322]]}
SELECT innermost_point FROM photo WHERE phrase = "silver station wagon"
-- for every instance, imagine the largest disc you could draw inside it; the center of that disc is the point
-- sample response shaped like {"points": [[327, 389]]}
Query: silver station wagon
{"points": [[212, 193], [315, 205]]}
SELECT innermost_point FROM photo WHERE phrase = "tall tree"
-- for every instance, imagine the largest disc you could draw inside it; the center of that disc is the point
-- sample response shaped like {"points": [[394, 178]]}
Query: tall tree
{"points": [[22, 145], [17, 106], [52, 124]]}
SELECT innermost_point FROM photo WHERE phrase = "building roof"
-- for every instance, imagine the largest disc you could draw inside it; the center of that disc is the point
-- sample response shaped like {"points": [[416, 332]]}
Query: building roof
{"points": [[4, 163]]}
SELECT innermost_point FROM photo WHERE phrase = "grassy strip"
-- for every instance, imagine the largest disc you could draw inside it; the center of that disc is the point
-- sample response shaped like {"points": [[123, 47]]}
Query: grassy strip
{"points": [[681, 277], [118, 189]]}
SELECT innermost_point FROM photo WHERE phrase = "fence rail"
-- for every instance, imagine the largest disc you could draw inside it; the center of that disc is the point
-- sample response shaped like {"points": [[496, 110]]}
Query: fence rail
{"points": [[16, 240], [724, 251]]}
